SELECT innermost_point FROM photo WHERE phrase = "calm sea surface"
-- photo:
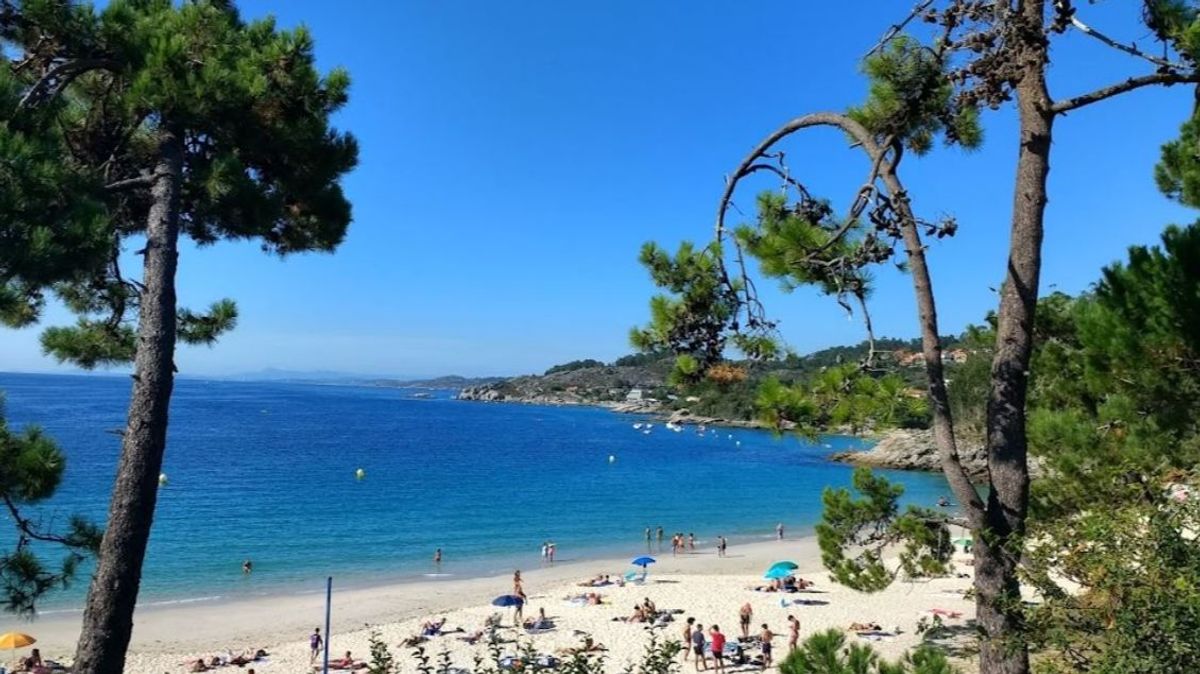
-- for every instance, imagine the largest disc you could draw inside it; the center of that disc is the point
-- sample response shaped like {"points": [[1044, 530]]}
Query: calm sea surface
{"points": [[266, 471]]}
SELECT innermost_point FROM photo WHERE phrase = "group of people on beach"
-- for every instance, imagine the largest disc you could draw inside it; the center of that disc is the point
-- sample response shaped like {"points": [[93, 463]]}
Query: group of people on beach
{"points": [[217, 661], [698, 648], [683, 544]]}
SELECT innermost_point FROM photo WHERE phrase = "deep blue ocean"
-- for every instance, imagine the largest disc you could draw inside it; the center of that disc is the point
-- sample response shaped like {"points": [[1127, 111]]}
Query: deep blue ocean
{"points": [[266, 472]]}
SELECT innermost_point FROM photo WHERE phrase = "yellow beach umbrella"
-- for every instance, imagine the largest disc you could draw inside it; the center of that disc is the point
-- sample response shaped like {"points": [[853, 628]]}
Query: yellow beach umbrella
{"points": [[14, 640]]}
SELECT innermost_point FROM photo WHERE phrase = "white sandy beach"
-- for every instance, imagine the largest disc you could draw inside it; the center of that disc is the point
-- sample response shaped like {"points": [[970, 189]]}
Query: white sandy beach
{"points": [[704, 586]]}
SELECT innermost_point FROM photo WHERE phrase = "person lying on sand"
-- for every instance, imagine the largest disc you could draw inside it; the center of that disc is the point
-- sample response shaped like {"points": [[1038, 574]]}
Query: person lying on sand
{"points": [[198, 665], [588, 646], [541, 622], [432, 628], [945, 613], [649, 608], [347, 662], [591, 599], [865, 627], [410, 642]]}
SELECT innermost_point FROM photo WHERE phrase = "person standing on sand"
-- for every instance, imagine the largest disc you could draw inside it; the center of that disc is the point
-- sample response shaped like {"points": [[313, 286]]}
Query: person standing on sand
{"points": [[745, 615], [721, 545], [698, 648], [766, 636], [718, 648], [314, 645], [545, 551], [779, 531], [691, 542], [793, 633], [552, 550], [687, 638], [660, 538], [647, 537]]}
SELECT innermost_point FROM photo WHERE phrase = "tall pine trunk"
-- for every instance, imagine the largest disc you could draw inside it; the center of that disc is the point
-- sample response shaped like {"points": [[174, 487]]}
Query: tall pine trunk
{"points": [[108, 615], [1003, 648]]}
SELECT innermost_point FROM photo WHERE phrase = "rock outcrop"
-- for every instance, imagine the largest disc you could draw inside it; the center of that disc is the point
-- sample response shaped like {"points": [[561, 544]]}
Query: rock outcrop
{"points": [[905, 449]]}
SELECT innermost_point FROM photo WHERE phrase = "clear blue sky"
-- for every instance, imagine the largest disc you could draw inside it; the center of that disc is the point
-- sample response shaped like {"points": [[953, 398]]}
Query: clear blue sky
{"points": [[515, 155]]}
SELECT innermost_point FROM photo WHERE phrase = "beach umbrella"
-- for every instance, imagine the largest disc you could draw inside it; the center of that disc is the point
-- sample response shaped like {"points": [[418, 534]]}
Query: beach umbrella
{"points": [[506, 600], [642, 561], [14, 640], [777, 573], [790, 566]]}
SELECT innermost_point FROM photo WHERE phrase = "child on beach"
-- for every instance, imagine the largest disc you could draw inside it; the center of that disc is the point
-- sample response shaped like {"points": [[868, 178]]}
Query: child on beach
{"points": [[793, 633], [698, 648]]}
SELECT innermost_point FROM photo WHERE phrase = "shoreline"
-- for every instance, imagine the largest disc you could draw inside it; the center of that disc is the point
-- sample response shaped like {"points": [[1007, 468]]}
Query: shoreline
{"points": [[156, 629], [699, 584]]}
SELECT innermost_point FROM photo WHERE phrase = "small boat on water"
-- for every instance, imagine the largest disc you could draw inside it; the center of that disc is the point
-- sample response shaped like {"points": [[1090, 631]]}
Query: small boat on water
{"points": [[646, 432], [637, 426]]}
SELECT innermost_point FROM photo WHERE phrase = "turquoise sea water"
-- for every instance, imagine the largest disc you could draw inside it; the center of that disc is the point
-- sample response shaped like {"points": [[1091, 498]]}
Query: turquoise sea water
{"points": [[266, 471]]}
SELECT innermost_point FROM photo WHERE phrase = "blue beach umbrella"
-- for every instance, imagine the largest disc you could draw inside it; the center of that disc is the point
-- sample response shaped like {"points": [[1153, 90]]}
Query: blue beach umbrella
{"points": [[777, 573], [508, 600], [642, 561], [790, 566]]}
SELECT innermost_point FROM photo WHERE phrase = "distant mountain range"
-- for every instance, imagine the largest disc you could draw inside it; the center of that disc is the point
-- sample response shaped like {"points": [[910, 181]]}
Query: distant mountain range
{"points": [[447, 382]]}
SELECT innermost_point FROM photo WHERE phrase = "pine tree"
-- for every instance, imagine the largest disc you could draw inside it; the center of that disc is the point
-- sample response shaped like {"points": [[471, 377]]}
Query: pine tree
{"points": [[191, 122]]}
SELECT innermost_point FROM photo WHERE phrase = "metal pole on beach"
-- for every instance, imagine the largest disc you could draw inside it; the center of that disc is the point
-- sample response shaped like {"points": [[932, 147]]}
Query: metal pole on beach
{"points": [[328, 608]]}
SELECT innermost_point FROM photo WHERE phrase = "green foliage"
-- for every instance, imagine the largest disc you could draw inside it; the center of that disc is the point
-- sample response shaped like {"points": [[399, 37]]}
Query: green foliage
{"points": [[695, 318], [53, 226], [871, 525], [574, 365], [31, 468], [911, 99], [1137, 562], [90, 343], [805, 246], [659, 657], [843, 396], [382, 661], [261, 160], [827, 653], [642, 359]]}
